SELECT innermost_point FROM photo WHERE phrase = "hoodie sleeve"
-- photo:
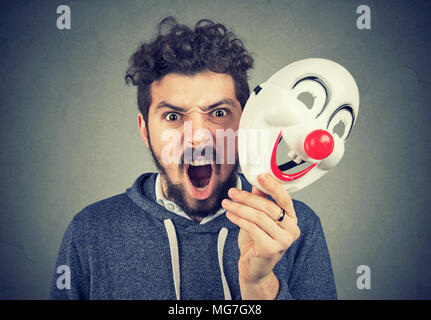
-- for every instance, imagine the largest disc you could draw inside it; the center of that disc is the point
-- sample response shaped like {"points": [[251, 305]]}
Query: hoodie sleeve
{"points": [[311, 277], [69, 280]]}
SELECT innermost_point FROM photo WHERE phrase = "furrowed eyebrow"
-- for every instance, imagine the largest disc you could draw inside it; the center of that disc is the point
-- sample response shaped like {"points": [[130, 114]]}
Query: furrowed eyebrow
{"points": [[228, 101], [164, 104]]}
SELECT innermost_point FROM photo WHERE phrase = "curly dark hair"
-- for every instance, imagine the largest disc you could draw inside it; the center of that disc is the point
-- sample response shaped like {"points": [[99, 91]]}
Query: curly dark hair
{"points": [[179, 49]]}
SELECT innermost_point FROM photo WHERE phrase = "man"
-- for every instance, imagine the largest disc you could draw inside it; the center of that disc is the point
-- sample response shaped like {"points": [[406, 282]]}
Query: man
{"points": [[176, 234]]}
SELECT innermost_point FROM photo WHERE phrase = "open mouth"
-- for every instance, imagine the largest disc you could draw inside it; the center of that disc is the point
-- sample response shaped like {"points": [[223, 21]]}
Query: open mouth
{"points": [[293, 169], [199, 175], [200, 178]]}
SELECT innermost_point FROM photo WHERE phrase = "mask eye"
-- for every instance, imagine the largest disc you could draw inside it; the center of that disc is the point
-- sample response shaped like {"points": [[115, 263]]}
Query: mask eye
{"points": [[341, 123], [312, 93], [307, 98]]}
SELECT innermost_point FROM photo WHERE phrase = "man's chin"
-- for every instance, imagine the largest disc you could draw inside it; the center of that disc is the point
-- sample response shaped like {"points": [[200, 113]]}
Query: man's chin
{"points": [[200, 208]]}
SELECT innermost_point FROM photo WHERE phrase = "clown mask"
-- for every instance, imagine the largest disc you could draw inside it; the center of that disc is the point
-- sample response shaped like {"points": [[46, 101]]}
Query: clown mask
{"points": [[294, 125]]}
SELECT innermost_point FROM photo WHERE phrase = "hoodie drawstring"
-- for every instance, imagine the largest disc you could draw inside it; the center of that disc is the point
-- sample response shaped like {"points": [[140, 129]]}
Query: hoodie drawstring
{"points": [[175, 260], [222, 235]]}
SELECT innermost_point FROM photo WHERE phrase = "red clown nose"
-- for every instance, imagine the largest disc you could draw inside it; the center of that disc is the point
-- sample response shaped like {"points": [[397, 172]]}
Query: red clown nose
{"points": [[319, 144]]}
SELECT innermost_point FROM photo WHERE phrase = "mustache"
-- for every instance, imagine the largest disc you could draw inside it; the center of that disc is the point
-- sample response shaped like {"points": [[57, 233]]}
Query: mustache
{"points": [[208, 153]]}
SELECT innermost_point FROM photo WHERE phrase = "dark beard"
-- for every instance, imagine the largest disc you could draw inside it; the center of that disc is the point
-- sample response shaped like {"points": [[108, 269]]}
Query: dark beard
{"points": [[201, 208]]}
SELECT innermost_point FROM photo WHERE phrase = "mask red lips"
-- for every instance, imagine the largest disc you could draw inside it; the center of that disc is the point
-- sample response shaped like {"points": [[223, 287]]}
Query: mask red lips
{"points": [[280, 174]]}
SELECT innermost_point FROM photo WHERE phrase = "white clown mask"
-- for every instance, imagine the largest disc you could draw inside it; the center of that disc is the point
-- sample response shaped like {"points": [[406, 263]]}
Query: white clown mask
{"points": [[311, 106]]}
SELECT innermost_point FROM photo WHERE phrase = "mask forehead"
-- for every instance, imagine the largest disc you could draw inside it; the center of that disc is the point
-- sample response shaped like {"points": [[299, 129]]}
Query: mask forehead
{"points": [[338, 82]]}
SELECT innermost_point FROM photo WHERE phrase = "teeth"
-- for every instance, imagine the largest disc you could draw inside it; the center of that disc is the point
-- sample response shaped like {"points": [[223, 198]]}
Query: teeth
{"points": [[196, 163], [296, 158]]}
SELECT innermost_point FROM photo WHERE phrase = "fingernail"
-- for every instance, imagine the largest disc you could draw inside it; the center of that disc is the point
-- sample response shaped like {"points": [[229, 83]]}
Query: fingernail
{"points": [[225, 202], [263, 177]]}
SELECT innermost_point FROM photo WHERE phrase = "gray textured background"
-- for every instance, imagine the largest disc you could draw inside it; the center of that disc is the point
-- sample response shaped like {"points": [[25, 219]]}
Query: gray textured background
{"points": [[69, 135]]}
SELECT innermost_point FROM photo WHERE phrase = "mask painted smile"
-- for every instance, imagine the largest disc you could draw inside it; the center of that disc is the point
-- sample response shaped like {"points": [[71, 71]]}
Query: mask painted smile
{"points": [[280, 174]]}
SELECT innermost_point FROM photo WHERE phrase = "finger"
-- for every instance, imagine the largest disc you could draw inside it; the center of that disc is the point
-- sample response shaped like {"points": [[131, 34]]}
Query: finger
{"points": [[259, 218], [291, 226], [263, 238], [278, 193], [255, 233], [257, 192], [255, 201]]}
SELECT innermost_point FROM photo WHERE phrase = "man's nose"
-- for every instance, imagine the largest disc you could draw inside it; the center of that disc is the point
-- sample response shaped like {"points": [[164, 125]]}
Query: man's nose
{"points": [[197, 131]]}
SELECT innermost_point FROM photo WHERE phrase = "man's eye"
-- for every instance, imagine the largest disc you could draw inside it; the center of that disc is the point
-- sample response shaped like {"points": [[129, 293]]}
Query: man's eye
{"points": [[219, 113], [172, 116]]}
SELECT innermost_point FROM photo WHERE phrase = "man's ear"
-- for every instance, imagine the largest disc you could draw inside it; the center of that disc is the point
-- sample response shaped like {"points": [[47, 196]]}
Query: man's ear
{"points": [[143, 131]]}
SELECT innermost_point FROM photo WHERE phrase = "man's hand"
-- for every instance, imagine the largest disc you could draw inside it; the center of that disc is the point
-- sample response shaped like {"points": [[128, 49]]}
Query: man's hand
{"points": [[262, 240]]}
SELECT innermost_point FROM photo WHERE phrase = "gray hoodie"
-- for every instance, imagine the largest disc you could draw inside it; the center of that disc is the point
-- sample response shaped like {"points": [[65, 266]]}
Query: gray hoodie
{"points": [[130, 247]]}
